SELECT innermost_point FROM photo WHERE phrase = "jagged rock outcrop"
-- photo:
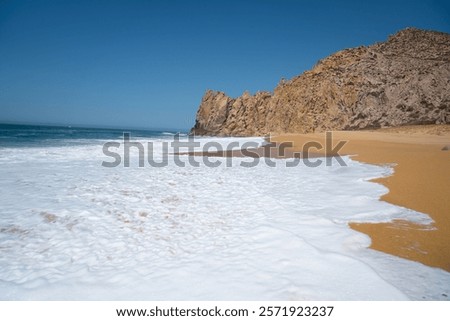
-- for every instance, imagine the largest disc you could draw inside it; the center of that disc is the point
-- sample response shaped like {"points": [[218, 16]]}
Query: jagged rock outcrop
{"points": [[403, 81]]}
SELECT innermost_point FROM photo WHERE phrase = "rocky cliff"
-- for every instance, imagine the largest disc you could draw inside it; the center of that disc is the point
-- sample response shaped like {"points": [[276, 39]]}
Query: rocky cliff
{"points": [[403, 81]]}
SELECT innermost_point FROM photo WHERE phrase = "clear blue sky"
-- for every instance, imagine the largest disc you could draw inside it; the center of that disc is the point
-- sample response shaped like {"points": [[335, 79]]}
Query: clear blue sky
{"points": [[147, 63]]}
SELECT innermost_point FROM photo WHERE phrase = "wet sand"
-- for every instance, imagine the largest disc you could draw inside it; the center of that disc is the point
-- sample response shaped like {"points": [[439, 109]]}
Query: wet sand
{"points": [[421, 181]]}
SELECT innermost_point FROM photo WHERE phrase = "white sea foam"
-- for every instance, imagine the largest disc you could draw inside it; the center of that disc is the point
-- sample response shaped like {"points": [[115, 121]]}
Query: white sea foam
{"points": [[72, 229]]}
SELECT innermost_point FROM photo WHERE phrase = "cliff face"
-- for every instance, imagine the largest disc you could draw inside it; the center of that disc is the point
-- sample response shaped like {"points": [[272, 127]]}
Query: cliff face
{"points": [[405, 80]]}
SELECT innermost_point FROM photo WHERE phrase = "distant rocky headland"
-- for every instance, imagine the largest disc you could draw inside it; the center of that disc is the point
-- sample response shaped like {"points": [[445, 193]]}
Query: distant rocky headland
{"points": [[403, 81]]}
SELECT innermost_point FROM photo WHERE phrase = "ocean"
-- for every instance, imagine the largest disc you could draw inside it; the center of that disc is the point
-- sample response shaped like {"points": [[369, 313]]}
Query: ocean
{"points": [[21, 136], [79, 223]]}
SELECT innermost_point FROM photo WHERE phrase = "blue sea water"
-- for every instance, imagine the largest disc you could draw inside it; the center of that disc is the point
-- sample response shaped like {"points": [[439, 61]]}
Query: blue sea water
{"points": [[23, 136]]}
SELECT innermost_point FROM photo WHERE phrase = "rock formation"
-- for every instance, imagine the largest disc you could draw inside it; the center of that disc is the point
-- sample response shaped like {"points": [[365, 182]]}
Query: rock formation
{"points": [[403, 81]]}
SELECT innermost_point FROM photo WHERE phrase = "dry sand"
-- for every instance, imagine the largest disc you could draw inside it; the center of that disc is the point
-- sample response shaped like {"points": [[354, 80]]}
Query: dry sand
{"points": [[421, 181]]}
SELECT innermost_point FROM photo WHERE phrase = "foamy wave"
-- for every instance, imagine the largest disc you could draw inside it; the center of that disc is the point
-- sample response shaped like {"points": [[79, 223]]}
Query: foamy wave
{"points": [[72, 229]]}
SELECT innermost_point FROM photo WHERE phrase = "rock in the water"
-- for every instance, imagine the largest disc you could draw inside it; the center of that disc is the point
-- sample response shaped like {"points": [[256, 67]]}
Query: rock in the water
{"points": [[403, 81]]}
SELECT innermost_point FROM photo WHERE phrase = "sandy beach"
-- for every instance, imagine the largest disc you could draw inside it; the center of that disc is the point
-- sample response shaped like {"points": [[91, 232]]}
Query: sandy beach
{"points": [[421, 181]]}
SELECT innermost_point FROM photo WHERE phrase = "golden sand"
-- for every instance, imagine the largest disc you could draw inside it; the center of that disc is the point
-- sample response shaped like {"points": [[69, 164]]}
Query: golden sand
{"points": [[421, 181]]}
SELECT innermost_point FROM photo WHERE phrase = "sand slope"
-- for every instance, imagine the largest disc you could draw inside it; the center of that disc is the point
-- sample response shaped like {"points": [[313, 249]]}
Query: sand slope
{"points": [[421, 181]]}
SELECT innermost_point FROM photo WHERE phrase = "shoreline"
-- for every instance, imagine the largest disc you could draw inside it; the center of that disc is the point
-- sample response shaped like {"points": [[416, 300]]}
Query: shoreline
{"points": [[420, 182]]}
